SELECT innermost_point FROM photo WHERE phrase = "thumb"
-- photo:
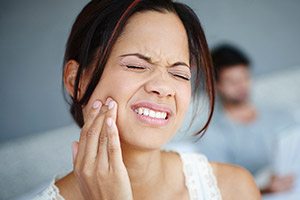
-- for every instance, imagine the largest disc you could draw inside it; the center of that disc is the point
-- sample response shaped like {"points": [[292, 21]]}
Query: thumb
{"points": [[74, 150]]}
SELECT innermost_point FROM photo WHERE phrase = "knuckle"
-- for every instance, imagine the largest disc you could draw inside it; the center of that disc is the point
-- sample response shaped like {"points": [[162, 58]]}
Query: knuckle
{"points": [[102, 142], [91, 132], [86, 171], [112, 149], [83, 134], [91, 114], [84, 127], [82, 137], [101, 174], [102, 139]]}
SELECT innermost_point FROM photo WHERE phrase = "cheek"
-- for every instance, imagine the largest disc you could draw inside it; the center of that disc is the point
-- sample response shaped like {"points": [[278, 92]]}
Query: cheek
{"points": [[183, 98], [112, 86], [227, 88], [119, 87]]}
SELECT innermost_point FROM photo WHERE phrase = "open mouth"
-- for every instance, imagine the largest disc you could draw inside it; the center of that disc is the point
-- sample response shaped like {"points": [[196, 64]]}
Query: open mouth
{"points": [[151, 113]]}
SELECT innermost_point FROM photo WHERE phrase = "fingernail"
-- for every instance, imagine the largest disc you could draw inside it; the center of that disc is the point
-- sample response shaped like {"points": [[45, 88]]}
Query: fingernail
{"points": [[107, 101], [111, 105], [96, 104], [109, 122]]}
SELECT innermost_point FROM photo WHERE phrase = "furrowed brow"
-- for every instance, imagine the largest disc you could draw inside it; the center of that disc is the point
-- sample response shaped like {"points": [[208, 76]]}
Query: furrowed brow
{"points": [[141, 56], [181, 64], [148, 59]]}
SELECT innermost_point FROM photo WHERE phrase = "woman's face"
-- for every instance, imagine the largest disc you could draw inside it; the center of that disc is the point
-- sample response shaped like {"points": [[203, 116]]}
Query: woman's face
{"points": [[146, 74]]}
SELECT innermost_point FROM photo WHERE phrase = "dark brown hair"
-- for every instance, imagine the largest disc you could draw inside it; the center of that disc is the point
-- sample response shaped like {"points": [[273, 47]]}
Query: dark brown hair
{"points": [[99, 25], [227, 56]]}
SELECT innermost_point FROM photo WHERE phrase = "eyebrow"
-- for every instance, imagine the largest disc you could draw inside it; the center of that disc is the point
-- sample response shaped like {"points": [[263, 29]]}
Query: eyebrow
{"points": [[148, 59]]}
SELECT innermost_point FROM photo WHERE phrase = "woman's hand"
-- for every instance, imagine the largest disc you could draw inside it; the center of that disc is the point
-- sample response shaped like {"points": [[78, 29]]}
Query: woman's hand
{"points": [[97, 157]]}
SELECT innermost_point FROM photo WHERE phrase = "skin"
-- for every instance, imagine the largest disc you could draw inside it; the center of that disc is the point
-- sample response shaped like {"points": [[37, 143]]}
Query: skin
{"points": [[129, 163], [234, 89], [234, 84]]}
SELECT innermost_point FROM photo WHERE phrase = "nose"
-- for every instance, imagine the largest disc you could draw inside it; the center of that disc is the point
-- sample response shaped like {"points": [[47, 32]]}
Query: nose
{"points": [[160, 86]]}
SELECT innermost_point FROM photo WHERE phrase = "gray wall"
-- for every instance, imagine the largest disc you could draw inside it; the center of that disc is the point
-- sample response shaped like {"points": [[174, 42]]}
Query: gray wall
{"points": [[268, 30], [33, 34]]}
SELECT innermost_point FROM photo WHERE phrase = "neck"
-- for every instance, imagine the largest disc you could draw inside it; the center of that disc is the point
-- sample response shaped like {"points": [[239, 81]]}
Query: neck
{"points": [[228, 106], [144, 167], [243, 112]]}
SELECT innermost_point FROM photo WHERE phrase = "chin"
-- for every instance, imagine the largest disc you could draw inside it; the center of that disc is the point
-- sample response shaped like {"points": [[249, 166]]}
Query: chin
{"points": [[146, 139]]}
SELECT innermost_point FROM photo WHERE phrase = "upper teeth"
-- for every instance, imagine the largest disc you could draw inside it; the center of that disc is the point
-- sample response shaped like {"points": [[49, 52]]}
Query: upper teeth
{"points": [[151, 113]]}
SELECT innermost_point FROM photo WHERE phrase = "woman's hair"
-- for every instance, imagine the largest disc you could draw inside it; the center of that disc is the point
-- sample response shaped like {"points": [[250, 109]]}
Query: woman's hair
{"points": [[226, 56], [99, 25]]}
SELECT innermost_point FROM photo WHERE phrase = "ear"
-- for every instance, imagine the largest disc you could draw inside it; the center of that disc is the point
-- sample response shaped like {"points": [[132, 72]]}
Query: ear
{"points": [[70, 72]]}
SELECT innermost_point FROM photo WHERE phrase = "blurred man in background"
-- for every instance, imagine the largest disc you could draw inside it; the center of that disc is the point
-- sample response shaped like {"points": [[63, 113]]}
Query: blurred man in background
{"points": [[243, 133]]}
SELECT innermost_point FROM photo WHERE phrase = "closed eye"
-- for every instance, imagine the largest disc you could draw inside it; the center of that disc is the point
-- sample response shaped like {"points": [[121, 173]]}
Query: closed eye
{"points": [[135, 67], [184, 77]]}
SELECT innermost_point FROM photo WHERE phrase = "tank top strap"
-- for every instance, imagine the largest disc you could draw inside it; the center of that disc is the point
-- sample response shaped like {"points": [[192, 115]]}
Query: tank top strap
{"points": [[199, 177]]}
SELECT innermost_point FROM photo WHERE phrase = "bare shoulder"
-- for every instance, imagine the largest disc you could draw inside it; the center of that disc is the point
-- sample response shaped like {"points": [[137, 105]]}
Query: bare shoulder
{"points": [[235, 182], [69, 188]]}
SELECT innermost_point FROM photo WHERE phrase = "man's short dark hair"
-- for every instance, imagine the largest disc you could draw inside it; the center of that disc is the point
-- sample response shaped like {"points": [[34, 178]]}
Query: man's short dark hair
{"points": [[225, 56]]}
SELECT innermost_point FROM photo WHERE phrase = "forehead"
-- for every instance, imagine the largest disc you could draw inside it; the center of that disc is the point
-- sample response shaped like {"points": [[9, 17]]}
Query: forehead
{"points": [[156, 35], [234, 71]]}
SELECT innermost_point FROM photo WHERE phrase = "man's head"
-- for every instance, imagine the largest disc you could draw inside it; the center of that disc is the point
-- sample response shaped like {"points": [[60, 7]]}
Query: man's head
{"points": [[232, 74]]}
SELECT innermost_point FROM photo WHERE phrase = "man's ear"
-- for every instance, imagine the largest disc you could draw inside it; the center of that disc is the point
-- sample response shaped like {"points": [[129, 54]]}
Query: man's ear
{"points": [[70, 72]]}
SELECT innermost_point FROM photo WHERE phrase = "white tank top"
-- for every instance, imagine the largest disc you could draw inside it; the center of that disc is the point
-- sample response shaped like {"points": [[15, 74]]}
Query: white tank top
{"points": [[199, 177], [199, 180]]}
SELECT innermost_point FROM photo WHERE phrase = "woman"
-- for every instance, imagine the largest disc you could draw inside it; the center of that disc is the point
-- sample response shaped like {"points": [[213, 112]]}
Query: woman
{"points": [[129, 68]]}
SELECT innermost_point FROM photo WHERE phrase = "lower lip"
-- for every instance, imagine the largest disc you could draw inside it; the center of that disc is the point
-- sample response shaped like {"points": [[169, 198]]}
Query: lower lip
{"points": [[151, 121]]}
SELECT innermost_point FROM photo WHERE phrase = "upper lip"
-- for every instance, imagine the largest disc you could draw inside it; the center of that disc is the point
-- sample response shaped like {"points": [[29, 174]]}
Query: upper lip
{"points": [[152, 106]]}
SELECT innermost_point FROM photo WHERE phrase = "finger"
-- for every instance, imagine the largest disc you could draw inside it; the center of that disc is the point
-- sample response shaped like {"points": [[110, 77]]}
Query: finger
{"points": [[103, 140], [74, 150], [280, 185], [93, 136], [285, 180], [93, 112], [114, 147], [113, 107], [288, 182], [288, 178]]}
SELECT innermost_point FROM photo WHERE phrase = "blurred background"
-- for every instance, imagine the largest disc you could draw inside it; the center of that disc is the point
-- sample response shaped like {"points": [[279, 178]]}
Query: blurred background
{"points": [[33, 34]]}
